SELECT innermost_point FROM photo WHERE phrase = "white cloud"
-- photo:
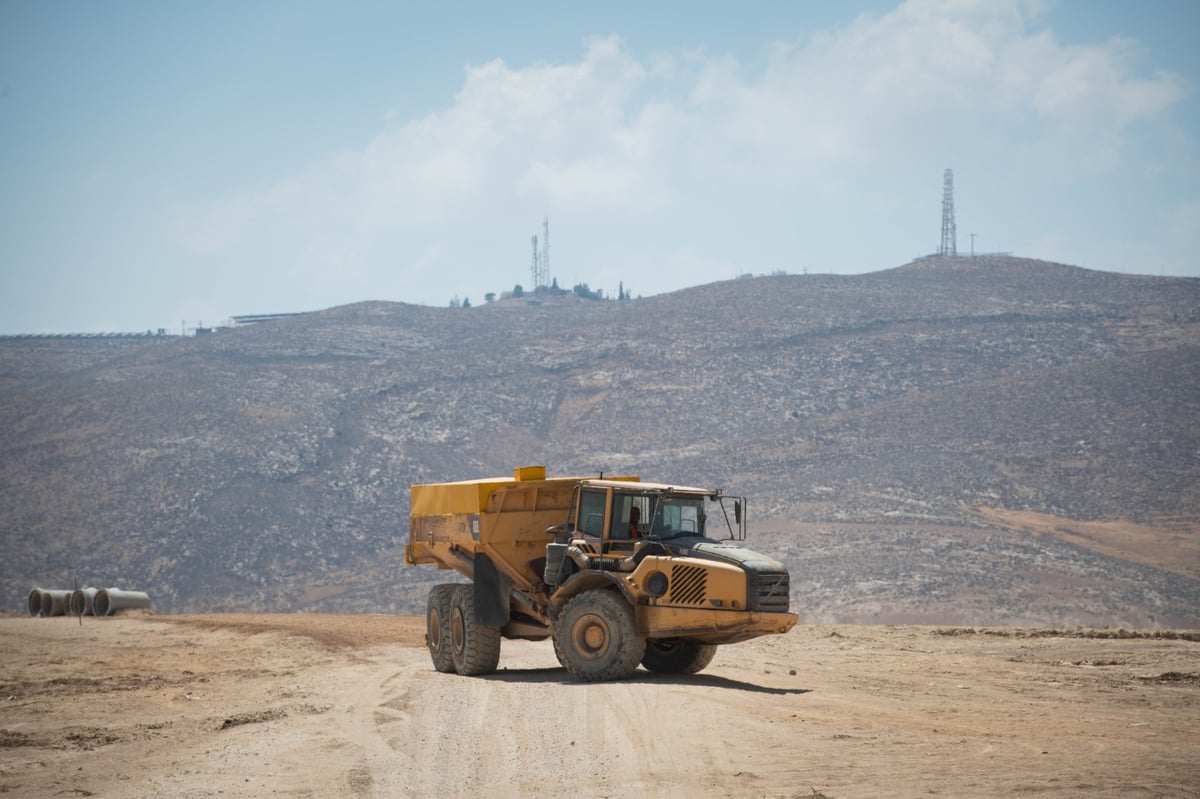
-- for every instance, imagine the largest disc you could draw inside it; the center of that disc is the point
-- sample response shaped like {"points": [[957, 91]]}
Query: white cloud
{"points": [[617, 137], [1092, 85]]}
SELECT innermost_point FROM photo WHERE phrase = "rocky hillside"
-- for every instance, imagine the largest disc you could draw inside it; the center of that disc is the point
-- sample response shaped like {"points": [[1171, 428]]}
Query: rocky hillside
{"points": [[986, 440]]}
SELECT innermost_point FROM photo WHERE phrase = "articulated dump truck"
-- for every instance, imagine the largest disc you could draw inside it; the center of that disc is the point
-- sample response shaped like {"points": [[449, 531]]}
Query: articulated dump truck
{"points": [[616, 571]]}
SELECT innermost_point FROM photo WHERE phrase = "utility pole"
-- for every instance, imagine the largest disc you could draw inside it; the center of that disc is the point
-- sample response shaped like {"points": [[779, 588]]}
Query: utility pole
{"points": [[972, 245]]}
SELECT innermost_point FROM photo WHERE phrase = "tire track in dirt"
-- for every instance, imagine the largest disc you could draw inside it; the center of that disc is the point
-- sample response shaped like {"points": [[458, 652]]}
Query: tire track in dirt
{"points": [[420, 733], [375, 696]]}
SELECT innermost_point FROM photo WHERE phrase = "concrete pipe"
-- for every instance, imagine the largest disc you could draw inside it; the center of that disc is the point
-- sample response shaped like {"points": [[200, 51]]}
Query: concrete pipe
{"points": [[81, 601], [55, 602], [109, 601], [35, 602]]}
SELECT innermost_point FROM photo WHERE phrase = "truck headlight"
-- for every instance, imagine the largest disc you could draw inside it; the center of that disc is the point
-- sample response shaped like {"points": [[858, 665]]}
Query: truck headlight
{"points": [[656, 584]]}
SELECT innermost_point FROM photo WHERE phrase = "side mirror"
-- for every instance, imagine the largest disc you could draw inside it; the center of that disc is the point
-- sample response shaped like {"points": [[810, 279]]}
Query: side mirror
{"points": [[737, 512]]}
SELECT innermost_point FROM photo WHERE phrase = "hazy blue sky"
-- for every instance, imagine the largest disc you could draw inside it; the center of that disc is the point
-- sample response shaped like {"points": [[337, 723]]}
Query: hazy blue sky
{"points": [[172, 162]]}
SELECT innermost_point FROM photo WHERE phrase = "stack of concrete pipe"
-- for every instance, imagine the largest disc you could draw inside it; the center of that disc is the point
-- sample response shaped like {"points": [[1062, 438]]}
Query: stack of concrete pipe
{"points": [[85, 601]]}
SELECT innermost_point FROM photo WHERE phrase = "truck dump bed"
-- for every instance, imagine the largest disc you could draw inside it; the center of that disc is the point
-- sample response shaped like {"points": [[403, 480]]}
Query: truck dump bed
{"points": [[444, 499], [504, 517]]}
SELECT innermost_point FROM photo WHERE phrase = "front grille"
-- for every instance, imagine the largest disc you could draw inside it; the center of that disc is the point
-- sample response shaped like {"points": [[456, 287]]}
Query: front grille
{"points": [[767, 592], [688, 585]]}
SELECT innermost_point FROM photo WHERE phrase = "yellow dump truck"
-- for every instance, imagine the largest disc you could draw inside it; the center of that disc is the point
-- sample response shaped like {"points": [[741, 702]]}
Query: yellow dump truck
{"points": [[616, 571]]}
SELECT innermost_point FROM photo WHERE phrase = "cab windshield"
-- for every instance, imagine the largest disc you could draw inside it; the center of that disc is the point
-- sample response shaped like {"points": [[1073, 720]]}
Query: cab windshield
{"points": [[662, 515], [676, 516]]}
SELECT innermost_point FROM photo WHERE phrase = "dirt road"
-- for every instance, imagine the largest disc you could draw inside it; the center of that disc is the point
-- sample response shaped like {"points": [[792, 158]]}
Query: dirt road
{"points": [[331, 706]]}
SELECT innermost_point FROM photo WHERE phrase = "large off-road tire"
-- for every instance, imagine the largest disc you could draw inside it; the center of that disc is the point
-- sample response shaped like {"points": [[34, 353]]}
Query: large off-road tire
{"points": [[672, 656], [475, 647], [437, 627], [596, 637]]}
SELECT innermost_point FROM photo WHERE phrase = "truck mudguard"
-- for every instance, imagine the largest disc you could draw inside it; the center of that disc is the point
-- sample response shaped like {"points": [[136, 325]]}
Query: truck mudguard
{"points": [[491, 593]]}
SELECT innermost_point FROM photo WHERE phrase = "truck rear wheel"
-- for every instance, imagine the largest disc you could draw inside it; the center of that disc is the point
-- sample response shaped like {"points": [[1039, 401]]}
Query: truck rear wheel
{"points": [[437, 627], [672, 656], [596, 637], [475, 647]]}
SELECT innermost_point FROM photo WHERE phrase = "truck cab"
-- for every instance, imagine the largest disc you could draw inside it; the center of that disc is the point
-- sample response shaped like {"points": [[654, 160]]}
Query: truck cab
{"points": [[685, 554], [608, 510]]}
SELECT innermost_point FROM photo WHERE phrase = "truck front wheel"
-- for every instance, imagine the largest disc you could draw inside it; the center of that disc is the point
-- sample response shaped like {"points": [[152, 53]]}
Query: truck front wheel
{"points": [[596, 637], [672, 656], [474, 647], [437, 627]]}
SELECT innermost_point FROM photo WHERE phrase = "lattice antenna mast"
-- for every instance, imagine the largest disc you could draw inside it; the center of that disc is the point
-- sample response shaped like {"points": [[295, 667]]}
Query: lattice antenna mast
{"points": [[949, 231], [534, 271]]}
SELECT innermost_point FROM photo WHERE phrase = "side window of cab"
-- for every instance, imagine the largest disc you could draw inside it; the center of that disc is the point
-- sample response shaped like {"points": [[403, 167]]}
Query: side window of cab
{"points": [[628, 511], [591, 511]]}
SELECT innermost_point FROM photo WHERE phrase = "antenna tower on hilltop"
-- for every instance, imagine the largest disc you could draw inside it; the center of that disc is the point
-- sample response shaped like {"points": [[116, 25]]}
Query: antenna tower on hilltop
{"points": [[540, 270], [535, 271], [949, 232]]}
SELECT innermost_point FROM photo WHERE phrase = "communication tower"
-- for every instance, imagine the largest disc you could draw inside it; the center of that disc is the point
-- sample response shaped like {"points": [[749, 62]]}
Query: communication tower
{"points": [[535, 270], [949, 232], [540, 269]]}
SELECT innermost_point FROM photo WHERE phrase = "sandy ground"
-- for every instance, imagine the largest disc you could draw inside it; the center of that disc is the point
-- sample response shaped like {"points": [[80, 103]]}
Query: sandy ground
{"points": [[332, 706]]}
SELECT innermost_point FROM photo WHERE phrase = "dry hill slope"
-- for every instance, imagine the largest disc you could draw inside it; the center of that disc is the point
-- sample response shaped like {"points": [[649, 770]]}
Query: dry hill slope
{"points": [[891, 430]]}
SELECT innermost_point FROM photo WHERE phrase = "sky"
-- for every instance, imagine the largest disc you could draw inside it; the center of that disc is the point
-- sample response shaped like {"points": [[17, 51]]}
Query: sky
{"points": [[167, 165]]}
